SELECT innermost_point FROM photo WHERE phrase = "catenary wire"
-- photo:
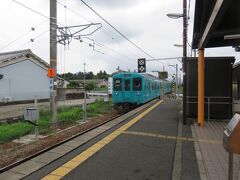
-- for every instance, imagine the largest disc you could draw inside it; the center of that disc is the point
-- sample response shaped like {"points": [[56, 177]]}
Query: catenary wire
{"points": [[95, 13], [116, 29], [100, 29], [75, 12], [23, 35]]}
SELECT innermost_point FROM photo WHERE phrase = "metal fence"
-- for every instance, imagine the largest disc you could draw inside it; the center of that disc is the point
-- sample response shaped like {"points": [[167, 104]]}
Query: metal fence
{"points": [[210, 100]]}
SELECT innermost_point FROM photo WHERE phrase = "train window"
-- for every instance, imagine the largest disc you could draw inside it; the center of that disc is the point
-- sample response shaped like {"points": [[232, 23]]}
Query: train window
{"points": [[127, 85], [117, 84], [137, 84]]}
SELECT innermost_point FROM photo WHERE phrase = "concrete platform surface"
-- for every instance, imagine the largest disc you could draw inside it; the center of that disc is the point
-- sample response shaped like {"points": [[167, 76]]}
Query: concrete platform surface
{"points": [[214, 155]]}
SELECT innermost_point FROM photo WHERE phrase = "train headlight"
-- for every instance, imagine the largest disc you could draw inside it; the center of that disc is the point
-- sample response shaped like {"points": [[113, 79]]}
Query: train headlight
{"points": [[116, 93], [138, 93]]}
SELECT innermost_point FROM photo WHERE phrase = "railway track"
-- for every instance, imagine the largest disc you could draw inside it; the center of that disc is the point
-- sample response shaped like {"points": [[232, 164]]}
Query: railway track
{"points": [[127, 115]]}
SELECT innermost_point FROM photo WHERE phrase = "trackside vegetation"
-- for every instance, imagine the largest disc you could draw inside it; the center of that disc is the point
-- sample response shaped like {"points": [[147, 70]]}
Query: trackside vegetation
{"points": [[65, 116]]}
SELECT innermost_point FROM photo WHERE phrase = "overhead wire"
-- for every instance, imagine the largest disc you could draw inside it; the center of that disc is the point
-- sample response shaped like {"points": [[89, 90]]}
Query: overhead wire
{"points": [[97, 15], [23, 35], [134, 44], [23, 45], [99, 44], [75, 12], [119, 31], [113, 57], [39, 35], [31, 9], [33, 39], [111, 49]]}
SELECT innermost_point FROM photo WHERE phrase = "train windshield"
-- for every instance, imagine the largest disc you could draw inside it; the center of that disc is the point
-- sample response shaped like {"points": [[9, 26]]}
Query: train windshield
{"points": [[137, 84], [127, 85], [117, 84]]}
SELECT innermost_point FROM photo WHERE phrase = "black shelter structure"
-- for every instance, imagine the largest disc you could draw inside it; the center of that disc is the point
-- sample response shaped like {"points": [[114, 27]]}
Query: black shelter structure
{"points": [[236, 81], [216, 24], [218, 87]]}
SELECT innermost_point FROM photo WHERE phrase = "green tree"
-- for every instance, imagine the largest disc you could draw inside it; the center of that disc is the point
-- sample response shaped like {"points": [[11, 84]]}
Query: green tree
{"points": [[90, 86], [73, 84], [89, 75]]}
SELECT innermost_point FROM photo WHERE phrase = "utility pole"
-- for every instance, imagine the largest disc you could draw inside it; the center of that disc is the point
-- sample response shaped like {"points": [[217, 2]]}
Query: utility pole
{"points": [[53, 61], [84, 103], [184, 58], [163, 83], [177, 80]]}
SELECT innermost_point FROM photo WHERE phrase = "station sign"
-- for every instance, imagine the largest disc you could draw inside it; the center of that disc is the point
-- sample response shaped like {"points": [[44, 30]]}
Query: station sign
{"points": [[51, 84], [141, 65], [51, 72], [163, 75], [110, 85]]}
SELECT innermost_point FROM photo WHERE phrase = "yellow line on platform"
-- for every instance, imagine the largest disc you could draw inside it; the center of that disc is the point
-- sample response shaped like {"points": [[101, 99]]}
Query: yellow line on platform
{"points": [[178, 138], [76, 161]]}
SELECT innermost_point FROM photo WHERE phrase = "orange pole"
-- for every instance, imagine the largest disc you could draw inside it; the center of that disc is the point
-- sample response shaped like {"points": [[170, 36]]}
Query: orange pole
{"points": [[201, 87]]}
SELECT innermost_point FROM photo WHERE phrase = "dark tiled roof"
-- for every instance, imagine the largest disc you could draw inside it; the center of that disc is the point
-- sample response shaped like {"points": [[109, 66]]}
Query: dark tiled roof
{"points": [[7, 57]]}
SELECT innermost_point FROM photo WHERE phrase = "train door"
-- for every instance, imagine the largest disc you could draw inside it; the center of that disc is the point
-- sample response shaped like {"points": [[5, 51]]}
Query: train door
{"points": [[127, 89]]}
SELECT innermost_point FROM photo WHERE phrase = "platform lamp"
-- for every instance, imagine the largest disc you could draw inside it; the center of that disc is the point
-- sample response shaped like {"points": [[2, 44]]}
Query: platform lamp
{"points": [[184, 16]]}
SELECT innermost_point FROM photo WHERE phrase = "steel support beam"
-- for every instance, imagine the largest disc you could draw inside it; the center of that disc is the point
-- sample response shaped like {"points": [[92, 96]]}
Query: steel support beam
{"points": [[216, 15]]}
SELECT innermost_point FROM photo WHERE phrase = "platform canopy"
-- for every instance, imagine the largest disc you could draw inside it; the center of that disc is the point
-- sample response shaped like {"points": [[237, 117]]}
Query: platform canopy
{"points": [[216, 23]]}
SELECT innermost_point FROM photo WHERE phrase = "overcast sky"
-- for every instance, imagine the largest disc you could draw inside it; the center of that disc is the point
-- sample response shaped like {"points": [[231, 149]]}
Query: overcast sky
{"points": [[144, 22]]}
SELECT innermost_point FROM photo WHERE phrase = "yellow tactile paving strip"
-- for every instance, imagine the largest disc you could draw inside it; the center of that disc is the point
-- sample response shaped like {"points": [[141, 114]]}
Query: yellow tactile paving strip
{"points": [[76, 161], [171, 137]]}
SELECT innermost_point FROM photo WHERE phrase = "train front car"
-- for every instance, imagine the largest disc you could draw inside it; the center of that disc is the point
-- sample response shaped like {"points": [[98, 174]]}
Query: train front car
{"points": [[133, 89], [127, 90]]}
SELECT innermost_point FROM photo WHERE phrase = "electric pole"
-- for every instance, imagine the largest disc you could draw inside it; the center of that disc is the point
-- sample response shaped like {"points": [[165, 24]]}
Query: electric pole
{"points": [[177, 80], [163, 84], [184, 57], [53, 62], [84, 103]]}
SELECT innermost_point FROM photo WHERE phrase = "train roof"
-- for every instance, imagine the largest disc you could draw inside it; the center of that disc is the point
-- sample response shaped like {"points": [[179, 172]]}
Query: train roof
{"points": [[150, 76], [138, 74]]}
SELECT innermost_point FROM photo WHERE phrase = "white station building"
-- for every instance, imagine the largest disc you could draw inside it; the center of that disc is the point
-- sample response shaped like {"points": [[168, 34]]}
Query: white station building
{"points": [[23, 76]]}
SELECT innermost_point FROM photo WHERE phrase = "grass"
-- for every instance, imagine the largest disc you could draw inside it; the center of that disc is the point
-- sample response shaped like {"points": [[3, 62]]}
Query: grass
{"points": [[13, 131], [66, 115]]}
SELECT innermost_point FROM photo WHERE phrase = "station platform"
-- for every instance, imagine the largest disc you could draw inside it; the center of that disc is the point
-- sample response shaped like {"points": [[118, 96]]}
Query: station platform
{"points": [[213, 154], [152, 144]]}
